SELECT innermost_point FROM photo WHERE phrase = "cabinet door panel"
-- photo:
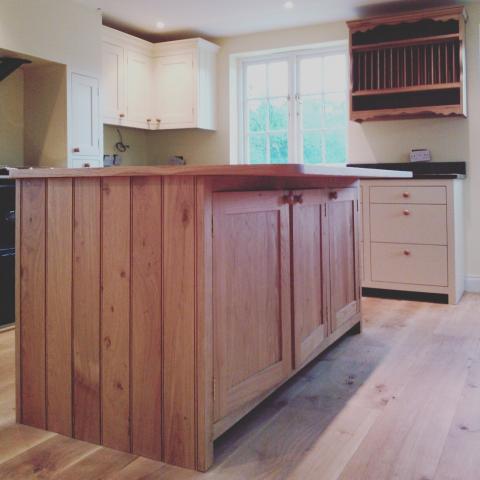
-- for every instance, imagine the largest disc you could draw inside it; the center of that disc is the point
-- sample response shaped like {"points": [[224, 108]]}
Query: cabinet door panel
{"points": [[344, 257], [175, 90], [113, 82], [251, 297], [85, 116], [310, 249], [139, 74]]}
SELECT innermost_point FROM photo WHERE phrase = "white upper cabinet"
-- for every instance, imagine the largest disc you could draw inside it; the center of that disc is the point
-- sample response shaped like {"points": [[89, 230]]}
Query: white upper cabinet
{"points": [[168, 85], [174, 91], [139, 93], [85, 134], [113, 82], [184, 84]]}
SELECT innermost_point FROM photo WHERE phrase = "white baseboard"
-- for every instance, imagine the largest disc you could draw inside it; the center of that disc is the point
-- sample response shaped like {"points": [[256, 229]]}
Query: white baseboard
{"points": [[472, 283]]}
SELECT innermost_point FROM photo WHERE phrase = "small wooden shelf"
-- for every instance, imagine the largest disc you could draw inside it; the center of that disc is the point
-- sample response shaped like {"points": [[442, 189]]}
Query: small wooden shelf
{"points": [[405, 43], [408, 64], [416, 88]]}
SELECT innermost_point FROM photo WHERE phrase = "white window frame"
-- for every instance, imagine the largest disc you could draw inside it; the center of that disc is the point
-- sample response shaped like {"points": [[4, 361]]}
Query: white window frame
{"points": [[293, 56]]}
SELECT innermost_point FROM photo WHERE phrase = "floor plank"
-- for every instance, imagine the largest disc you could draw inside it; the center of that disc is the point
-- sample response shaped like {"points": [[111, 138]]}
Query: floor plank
{"points": [[400, 401]]}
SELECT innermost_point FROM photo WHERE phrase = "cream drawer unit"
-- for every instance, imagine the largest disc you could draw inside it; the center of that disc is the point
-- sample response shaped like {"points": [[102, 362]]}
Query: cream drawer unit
{"points": [[413, 237], [408, 193], [413, 264], [405, 223]]}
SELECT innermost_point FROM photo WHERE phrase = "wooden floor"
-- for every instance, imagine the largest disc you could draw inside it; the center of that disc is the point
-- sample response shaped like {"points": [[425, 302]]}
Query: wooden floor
{"points": [[400, 401]]}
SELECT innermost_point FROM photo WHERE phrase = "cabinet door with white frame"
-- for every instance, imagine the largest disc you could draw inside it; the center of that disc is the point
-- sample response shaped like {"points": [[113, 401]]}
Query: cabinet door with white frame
{"points": [[175, 92], [113, 83], [139, 93], [85, 120]]}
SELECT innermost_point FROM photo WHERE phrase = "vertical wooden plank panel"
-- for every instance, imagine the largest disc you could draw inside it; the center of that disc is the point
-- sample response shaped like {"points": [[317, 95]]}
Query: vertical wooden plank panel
{"points": [[204, 324], [179, 321], [59, 305], [18, 316], [115, 322], [146, 321], [32, 299], [86, 309]]}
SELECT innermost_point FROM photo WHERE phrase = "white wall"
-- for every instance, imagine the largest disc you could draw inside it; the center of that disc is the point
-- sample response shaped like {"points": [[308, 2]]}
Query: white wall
{"points": [[56, 30], [59, 31]]}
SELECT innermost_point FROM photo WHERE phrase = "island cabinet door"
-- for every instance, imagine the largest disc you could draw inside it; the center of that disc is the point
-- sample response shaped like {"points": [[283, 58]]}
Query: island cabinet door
{"points": [[251, 297], [310, 261], [344, 265]]}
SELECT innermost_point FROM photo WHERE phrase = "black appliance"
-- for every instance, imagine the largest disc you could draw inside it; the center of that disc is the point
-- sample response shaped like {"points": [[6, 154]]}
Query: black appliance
{"points": [[7, 252]]}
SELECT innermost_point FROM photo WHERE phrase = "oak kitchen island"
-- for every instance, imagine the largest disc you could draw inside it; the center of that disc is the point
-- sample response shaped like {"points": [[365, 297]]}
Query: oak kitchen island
{"points": [[156, 306]]}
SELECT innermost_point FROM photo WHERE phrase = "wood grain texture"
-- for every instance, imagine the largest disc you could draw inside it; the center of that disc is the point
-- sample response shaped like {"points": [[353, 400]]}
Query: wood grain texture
{"points": [[115, 320], [32, 301], [179, 384], [251, 292], [344, 263], [310, 265], [146, 323], [204, 324], [291, 170], [86, 310], [400, 401], [18, 309], [59, 305]]}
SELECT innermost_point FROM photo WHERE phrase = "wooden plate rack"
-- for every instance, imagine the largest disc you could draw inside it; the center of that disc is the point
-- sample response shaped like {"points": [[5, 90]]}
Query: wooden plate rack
{"points": [[409, 65]]}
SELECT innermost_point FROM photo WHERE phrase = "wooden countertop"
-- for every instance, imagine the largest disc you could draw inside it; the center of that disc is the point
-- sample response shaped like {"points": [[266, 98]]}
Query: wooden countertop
{"points": [[290, 170]]}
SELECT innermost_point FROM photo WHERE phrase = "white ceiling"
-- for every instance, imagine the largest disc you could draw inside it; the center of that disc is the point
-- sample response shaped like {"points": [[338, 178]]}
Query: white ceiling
{"points": [[220, 18]]}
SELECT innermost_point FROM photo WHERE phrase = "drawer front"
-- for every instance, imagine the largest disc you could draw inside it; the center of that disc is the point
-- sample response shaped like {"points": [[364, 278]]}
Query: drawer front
{"points": [[396, 223], [409, 264], [409, 194]]}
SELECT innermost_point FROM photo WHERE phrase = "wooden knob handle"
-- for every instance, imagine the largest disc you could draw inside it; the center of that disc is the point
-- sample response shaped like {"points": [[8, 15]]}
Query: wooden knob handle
{"points": [[149, 120], [122, 115], [406, 213], [298, 199], [289, 199], [86, 165], [159, 120], [406, 194], [76, 150], [333, 195], [407, 253]]}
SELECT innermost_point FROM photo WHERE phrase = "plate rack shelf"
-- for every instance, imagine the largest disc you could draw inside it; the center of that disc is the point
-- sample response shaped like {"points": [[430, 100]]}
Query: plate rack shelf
{"points": [[408, 66]]}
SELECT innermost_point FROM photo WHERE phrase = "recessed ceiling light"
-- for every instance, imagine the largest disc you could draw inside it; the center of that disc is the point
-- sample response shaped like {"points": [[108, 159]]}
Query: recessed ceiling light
{"points": [[288, 5], [160, 25]]}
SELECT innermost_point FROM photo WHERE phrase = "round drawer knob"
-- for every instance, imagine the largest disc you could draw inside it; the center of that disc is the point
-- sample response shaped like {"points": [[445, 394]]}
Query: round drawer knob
{"points": [[122, 115], [298, 199], [406, 194], [406, 213], [407, 253]]}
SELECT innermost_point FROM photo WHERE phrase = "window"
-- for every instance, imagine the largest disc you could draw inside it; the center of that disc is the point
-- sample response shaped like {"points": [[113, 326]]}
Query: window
{"points": [[294, 108]]}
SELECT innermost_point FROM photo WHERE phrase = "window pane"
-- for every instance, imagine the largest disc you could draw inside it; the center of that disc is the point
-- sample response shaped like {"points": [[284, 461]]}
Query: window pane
{"points": [[279, 114], [311, 112], [335, 68], [257, 116], [335, 110], [256, 80], [310, 75], [279, 148], [257, 149], [278, 79], [335, 146], [312, 148]]}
